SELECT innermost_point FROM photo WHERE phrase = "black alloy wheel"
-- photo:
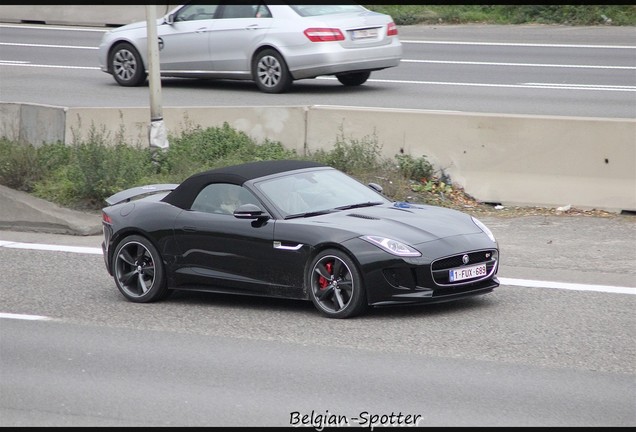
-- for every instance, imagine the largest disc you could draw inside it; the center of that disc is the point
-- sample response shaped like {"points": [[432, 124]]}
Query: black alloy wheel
{"points": [[336, 285], [138, 270]]}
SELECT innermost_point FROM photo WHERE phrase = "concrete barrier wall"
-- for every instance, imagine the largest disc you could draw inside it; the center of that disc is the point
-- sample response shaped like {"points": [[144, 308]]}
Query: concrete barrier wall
{"points": [[513, 160], [284, 124], [82, 15], [509, 159]]}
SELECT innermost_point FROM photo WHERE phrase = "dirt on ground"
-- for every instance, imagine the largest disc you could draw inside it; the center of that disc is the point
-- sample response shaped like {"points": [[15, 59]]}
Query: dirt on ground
{"points": [[459, 200]]}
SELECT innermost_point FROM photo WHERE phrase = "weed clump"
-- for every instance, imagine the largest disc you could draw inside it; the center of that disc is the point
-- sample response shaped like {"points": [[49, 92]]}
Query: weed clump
{"points": [[83, 174]]}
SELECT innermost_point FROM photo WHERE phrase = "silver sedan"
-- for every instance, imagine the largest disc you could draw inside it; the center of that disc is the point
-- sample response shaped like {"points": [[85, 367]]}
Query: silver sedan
{"points": [[272, 45]]}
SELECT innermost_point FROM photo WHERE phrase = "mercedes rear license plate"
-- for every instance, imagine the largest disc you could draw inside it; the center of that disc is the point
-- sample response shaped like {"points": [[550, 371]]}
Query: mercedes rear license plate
{"points": [[459, 274], [365, 33]]}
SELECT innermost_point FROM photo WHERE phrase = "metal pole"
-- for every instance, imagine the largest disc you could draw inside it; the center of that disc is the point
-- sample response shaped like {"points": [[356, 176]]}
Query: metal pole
{"points": [[157, 130]]}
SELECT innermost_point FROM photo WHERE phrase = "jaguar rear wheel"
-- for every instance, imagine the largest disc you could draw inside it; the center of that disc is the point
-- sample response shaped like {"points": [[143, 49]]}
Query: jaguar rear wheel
{"points": [[138, 270]]}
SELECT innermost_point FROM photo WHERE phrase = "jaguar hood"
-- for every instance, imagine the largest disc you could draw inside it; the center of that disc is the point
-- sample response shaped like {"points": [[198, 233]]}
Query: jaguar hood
{"points": [[410, 223]]}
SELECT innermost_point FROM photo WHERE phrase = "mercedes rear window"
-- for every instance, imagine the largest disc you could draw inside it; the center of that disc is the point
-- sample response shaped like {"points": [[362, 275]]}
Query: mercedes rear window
{"points": [[316, 10]]}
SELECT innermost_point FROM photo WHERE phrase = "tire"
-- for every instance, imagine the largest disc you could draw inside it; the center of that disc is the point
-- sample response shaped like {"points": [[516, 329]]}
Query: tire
{"points": [[335, 285], [354, 78], [138, 270], [270, 72], [126, 65]]}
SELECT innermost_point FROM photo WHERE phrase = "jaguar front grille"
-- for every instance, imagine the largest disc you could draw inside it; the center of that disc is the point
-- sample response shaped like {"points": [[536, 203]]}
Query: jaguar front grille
{"points": [[441, 268]]}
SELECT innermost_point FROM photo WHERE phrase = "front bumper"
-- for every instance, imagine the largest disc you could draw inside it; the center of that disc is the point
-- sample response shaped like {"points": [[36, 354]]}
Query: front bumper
{"points": [[393, 280], [428, 295]]}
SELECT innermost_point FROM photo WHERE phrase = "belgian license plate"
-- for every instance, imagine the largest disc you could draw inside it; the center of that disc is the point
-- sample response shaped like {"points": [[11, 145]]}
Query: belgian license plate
{"points": [[364, 34], [463, 273]]}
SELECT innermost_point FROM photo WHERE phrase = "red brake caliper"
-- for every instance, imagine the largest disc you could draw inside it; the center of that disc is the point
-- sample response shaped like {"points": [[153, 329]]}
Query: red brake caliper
{"points": [[321, 280]]}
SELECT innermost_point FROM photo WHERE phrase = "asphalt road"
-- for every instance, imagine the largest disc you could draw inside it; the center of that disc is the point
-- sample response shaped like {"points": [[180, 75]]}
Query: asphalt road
{"points": [[64, 374], [531, 70], [521, 356], [555, 354]]}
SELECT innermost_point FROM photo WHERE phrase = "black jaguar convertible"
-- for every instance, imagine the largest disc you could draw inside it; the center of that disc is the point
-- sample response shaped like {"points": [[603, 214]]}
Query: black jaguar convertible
{"points": [[293, 229]]}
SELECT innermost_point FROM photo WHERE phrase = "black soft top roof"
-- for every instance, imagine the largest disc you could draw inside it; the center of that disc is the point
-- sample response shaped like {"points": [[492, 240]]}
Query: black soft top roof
{"points": [[186, 192]]}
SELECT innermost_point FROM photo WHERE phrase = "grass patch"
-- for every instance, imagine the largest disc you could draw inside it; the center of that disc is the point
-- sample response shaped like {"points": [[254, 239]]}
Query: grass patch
{"points": [[575, 15], [83, 174]]}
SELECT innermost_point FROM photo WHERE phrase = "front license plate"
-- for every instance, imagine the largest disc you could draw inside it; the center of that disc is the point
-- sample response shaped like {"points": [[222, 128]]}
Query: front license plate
{"points": [[462, 273], [364, 34]]}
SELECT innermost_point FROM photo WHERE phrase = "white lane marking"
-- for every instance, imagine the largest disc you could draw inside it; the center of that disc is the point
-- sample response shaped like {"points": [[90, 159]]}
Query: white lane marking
{"points": [[550, 86], [506, 281], [404, 41], [581, 85], [11, 63], [24, 317], [454, 62], [548, 65], [518, 44], [49, 27], [568, 286], [526, 86], [48, 46], [58, 248]]}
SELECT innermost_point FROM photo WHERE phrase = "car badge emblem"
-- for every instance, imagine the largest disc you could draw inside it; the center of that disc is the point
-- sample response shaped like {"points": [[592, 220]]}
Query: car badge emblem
{"points": [[465, 259]]}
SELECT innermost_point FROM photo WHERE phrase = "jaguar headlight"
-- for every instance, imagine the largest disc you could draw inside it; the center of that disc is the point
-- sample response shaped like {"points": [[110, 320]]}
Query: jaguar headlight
{"points": [[484, 228], [392, 246]]}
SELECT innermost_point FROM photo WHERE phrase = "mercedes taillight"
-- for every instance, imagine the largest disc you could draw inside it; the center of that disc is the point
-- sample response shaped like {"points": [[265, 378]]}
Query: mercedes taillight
{"points": [[324, 34]]}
